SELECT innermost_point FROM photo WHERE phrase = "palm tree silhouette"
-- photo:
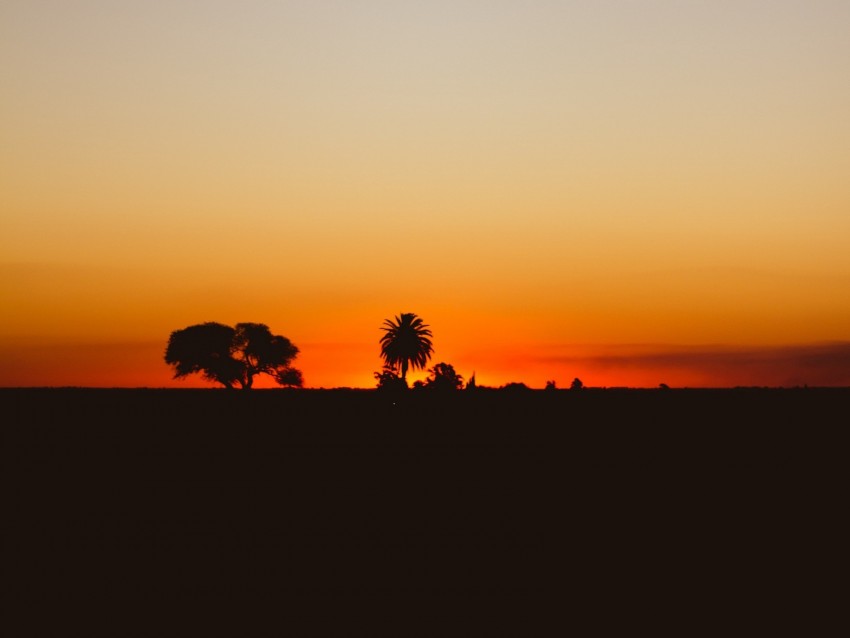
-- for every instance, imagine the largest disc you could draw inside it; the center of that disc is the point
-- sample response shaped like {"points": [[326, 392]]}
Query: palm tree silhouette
{"points": [[406, 343]]}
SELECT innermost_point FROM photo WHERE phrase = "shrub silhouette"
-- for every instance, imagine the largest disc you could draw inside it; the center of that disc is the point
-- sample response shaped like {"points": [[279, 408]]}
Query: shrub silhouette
{"points": [[442, 377], [233, 356], [515, 386], [389, 381]]}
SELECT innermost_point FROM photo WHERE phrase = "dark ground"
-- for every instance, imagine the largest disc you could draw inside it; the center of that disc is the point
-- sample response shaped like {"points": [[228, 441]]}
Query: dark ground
{"points": [[343, 513]]}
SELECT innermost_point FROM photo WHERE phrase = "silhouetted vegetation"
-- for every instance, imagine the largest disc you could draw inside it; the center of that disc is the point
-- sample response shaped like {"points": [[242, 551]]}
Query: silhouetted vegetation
{"points": [[576, 384], [389, 381], [233, 356], [515, 386], [406, 343], [443, 377]]}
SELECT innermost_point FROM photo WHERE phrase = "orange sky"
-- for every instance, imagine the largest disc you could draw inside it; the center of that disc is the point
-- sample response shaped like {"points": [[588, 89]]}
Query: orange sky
{"points": [[628, 193]]}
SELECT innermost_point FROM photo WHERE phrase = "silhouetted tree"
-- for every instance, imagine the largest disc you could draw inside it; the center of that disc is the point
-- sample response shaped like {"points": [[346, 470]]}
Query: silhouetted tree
{"points": [[262, 352], [204, 348], [443, 377], [576, 384], [233, 356], [550, 385], [289, 378], [406, 343], [471, 384], [388, 380], [515, 386]]}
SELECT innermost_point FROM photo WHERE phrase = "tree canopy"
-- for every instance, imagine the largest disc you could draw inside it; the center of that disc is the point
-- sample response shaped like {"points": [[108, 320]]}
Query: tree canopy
{"points": [[389, 381], [233, 356], [406, 343], [442, 377]]}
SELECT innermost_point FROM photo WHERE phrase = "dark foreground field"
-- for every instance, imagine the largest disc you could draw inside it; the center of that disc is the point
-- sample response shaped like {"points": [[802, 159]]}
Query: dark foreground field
{"points": [[342, 513]]}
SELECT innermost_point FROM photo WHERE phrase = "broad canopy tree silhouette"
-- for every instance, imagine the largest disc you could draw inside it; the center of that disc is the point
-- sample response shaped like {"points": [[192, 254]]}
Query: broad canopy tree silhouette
{"points": [[233, 356], [406, 343], [442, 377]]}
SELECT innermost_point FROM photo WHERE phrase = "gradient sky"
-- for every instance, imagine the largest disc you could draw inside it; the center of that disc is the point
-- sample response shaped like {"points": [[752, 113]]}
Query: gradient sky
{"points": [[629, 192]]}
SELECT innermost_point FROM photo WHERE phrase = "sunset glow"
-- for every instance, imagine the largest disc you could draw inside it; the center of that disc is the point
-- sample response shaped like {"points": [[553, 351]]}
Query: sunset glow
{"points": [[631, 193]]}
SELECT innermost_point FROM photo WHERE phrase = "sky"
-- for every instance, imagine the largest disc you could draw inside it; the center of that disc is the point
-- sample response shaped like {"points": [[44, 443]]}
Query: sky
{"points": [[626, 192]]}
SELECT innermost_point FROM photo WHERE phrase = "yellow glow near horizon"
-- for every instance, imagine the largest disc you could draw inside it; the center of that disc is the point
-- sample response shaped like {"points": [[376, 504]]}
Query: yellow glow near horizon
{"points": [[530, 178]]}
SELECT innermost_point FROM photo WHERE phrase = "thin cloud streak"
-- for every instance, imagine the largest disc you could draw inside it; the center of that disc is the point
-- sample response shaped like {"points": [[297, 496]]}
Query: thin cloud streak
{"points": [[822, 364]]}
